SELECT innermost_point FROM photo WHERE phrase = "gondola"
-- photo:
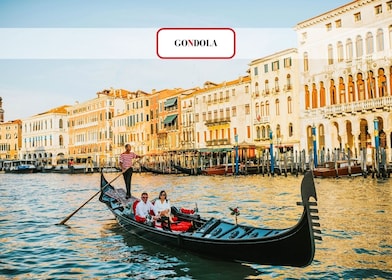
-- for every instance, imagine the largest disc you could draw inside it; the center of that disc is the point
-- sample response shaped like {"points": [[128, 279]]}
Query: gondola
{"points": [[294, 246], [146, 168], [188, 170]]}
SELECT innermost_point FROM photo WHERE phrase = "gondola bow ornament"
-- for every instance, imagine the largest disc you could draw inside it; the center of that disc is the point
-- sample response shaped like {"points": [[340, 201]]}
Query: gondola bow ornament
{"points": [[236, 212]]}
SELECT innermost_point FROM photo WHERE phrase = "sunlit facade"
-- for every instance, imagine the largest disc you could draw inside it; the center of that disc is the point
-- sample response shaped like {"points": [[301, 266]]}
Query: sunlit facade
{"points": [[275, 100], [132, 125], [346, 76], [45, 136], [90, 126], [223, 114], [10, 139]]}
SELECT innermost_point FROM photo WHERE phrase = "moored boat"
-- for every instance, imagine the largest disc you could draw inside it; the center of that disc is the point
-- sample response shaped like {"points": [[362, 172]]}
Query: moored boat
{"points": [[339, 168], [294, 246], [221, 169], [20, 166], [188, 170]]}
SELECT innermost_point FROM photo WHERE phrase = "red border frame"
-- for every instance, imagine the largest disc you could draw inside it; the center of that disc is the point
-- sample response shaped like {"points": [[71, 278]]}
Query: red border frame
{"points": [[194, 28]]}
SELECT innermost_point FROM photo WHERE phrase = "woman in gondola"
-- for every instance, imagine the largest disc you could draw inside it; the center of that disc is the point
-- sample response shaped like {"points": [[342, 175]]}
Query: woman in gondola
{"points": [[162, 207]]}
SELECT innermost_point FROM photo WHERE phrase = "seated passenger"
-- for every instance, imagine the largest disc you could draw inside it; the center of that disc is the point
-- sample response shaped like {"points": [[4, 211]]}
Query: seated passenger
{"points": [[162, 207], [144, 206]]}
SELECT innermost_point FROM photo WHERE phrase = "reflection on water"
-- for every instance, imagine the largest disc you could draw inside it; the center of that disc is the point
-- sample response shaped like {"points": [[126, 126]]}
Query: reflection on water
{"points": [[355, 217]]}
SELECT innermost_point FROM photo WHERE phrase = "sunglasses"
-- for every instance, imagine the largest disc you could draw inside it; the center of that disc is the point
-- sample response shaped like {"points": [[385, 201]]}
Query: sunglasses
{"points": [[144, 196]]}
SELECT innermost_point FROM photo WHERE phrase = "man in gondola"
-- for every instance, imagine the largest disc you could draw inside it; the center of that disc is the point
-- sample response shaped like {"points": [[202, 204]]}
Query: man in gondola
{"points": [[125, 163]]}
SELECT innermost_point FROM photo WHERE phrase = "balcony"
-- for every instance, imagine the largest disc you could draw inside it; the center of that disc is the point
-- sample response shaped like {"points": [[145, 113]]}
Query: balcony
{"points": [[262, 119], [353, 108], [217, 121], [218, 142]]}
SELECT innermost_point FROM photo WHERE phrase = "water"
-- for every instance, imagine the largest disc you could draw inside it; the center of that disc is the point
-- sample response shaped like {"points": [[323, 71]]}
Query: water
{"points": [[355, 217]]}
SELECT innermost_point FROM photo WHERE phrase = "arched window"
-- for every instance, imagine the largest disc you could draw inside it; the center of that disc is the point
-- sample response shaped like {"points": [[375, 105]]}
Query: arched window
{"points": [[276, 84], [288, 82], [371, 85], [277, 107], [307, 97], [349, 49], [306, 62], [266, 87], [289, 105], [267, 110], [359, 46], [332, 91], [258, 132], [360, 86], [390, 36], [262, 109], [257, 88], [314, 95], [330, 54], [291, 130], [351, 89], [322, 94], [369, 43], [342, 91], [340, 52], [61, 140], [382, 83], [380, 40], [278, 133]]}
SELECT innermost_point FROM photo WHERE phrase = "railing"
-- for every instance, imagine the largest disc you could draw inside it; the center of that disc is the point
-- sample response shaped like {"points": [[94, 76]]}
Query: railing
{"points": [[352, 108], [217, 142], [262, 119], [216, 121]]}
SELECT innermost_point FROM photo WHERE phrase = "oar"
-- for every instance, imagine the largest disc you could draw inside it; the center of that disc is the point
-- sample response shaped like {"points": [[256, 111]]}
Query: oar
{"points": [[74, 212]]}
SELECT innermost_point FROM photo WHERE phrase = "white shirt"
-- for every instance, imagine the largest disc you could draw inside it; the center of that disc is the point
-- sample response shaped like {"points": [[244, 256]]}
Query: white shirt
{"points": [[143, 209], [160, 206]]}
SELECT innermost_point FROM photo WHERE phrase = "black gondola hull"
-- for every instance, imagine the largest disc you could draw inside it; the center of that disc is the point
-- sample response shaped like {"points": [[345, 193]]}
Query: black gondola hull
{"points": [[294, 246]]}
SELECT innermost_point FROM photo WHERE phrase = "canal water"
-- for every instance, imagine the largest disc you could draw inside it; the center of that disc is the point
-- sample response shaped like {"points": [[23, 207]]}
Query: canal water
{"points": [[355, 217]]}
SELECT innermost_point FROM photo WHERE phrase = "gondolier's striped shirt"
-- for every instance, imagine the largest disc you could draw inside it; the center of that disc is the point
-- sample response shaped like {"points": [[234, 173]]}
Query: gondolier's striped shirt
{"points": [[126, 159]]}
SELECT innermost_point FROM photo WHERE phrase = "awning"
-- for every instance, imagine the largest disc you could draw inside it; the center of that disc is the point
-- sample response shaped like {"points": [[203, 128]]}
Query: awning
{"points": [[169, 119], [171, 102]]}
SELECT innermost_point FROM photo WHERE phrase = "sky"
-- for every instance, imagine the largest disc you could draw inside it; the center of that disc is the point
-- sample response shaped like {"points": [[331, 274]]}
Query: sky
{"points": [[60, 52]]}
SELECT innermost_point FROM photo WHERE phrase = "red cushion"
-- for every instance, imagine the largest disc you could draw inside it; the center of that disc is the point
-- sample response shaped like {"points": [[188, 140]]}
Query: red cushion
{"points": [[181, 226], [134, 206], [187, 211], [140, 219]]}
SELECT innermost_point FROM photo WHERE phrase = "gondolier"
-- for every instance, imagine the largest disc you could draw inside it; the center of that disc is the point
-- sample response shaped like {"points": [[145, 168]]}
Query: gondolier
{"points": [[126, 167]]}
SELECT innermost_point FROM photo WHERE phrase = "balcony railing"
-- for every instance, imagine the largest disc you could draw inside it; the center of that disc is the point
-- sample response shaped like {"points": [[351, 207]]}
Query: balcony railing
{"points": [[383, 103], [217, 121], [262, 119], [218, 142]]}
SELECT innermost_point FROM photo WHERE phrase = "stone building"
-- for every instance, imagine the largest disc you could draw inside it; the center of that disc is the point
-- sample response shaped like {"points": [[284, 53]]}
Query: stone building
{"points": [[346, 76], [45, 136]]}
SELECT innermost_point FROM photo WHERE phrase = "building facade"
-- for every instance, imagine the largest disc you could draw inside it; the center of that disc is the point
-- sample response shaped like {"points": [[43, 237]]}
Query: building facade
{"points": [[45, 136], [10, 139], [275, 101], [132, 125], [90, 126], [346, 73]]}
